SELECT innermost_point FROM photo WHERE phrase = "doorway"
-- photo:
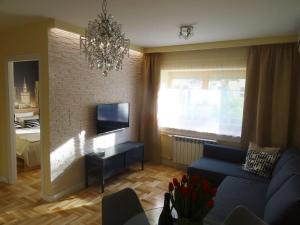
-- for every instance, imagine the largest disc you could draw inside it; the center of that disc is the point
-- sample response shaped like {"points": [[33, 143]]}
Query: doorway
{"points": [[24, 117]]}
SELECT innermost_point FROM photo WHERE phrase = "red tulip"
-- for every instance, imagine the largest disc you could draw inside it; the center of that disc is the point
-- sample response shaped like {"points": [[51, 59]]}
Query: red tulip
{"points": [[184, 179], [205, 186], [210, 203], [176, 183], [171, 187], [213, 191]]}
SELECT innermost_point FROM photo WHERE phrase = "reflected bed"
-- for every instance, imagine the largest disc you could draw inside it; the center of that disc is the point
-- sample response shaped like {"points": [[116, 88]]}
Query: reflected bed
{"points": [[28, 146]]}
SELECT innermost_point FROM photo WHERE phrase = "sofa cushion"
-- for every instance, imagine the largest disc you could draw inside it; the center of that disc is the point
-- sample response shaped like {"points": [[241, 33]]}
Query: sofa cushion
{"points": [[224, 153], [235, 191], [284, 158], [215, 170], [284, 206], [289, 169]]}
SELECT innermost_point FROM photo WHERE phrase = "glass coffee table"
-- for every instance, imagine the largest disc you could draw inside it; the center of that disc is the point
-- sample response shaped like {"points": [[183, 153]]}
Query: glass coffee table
{"points": [[149, 217]]}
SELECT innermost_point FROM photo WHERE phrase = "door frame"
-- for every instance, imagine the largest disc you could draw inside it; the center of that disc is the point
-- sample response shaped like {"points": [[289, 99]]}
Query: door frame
{"points": [[10, 111]]}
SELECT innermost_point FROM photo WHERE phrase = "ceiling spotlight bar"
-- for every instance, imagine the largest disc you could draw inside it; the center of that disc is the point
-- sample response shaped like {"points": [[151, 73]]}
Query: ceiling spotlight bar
{"points": [[186, 31]]}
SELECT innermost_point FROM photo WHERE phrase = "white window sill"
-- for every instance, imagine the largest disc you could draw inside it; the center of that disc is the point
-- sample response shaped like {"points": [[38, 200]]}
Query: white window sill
{"points": [[221, 139]]}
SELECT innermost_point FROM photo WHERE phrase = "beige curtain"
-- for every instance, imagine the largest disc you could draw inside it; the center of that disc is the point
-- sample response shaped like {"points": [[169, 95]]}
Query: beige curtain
{"points": [[271, 108], [149, 126]]}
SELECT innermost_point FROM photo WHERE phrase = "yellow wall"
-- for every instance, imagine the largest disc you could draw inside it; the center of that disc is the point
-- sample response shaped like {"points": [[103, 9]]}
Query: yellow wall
{"points": [[17, 42], [166, 146]]}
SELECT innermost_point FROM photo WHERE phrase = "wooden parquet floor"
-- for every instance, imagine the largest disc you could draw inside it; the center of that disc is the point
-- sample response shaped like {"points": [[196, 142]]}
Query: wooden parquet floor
{"points": [[21, 203]]}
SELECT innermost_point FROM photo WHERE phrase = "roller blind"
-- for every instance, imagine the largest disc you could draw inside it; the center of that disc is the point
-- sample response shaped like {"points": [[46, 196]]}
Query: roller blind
{"points": [[207, 59]]}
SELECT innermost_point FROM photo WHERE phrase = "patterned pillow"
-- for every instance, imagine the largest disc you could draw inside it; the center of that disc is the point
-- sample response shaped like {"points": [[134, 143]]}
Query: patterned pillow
{"points": [[261, 160], [31, 123], [18, 125]]}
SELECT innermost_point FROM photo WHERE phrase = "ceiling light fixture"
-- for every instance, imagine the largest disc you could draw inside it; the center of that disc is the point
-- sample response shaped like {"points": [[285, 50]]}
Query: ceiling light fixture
{"points": [[104, 44], [186, 31]]}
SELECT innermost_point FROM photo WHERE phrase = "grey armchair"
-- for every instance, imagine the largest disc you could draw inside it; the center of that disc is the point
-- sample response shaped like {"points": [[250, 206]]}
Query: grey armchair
{"points": [[120, 207], [243, 216]]}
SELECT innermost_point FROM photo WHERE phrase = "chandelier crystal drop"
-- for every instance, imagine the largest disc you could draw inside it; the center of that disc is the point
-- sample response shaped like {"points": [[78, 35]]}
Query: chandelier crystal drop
{"points": [[104, 44]]}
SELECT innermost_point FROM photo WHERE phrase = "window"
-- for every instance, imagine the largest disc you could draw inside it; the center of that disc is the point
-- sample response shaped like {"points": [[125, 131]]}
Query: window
{"points": [[207, 101]]}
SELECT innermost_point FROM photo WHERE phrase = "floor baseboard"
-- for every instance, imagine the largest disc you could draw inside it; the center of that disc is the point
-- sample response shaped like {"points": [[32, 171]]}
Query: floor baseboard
{"points": [[57, 196], [174, 165]]}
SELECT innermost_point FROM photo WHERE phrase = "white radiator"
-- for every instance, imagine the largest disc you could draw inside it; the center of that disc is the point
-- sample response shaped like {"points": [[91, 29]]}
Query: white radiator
{"points": [[187, 149]]}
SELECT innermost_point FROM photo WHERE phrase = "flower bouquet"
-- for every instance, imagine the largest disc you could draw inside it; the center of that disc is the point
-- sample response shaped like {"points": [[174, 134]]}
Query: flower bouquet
{"points": [[192, 198]]}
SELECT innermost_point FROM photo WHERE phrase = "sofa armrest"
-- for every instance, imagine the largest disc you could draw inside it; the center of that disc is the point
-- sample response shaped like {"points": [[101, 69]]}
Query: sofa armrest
{"points": [[242, 215], [224, 153]]}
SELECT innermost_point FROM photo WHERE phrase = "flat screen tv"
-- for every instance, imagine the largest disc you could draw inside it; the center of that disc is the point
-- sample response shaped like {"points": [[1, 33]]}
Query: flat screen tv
{"points": [[112, 117]]}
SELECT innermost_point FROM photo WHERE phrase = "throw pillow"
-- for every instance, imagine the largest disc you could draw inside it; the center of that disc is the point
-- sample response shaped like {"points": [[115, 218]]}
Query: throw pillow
{"points": [[260, 160], [18, 125], [22, 119], [31, 123]]}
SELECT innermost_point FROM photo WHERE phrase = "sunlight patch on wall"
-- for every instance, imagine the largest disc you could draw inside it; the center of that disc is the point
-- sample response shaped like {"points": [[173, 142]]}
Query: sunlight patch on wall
{"points": [[61, 158], [135, 53], [81, 137], [64, 33], [104, 141]]}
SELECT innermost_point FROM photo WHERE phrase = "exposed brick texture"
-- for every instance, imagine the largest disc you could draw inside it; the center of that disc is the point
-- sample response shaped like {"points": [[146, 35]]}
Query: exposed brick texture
{"points": [[75, 90]]}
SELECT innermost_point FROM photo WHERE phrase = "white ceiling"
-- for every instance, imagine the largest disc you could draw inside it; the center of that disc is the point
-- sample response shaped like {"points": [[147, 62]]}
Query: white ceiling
{"points": [[152, 23]]}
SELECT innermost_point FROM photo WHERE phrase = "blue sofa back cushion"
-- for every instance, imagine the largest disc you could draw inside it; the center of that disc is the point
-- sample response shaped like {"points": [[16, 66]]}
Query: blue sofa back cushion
{"points": [[216, 170], [284, 158], [224, 153], [284, 206], [289, 169]]}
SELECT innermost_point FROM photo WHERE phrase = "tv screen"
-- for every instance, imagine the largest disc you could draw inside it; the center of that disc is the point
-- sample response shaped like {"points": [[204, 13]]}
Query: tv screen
{"points": [[112, 117]]}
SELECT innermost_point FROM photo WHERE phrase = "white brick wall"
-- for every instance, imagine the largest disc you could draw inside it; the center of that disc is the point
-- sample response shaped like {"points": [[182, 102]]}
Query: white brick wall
{"points": [[75, 91]]}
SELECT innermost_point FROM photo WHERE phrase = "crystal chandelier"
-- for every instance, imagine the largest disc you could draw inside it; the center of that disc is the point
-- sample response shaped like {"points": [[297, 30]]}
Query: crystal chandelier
{"points": [[104, 44], [186, 31]]}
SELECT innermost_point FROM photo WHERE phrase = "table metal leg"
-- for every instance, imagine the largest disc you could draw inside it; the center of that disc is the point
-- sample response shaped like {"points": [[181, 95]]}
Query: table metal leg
{"points": [[86, 173], [102, 177]]}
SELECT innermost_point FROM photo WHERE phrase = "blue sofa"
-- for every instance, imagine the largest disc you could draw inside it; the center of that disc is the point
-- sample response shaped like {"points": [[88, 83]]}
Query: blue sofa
{"points": [[275, 200]]}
